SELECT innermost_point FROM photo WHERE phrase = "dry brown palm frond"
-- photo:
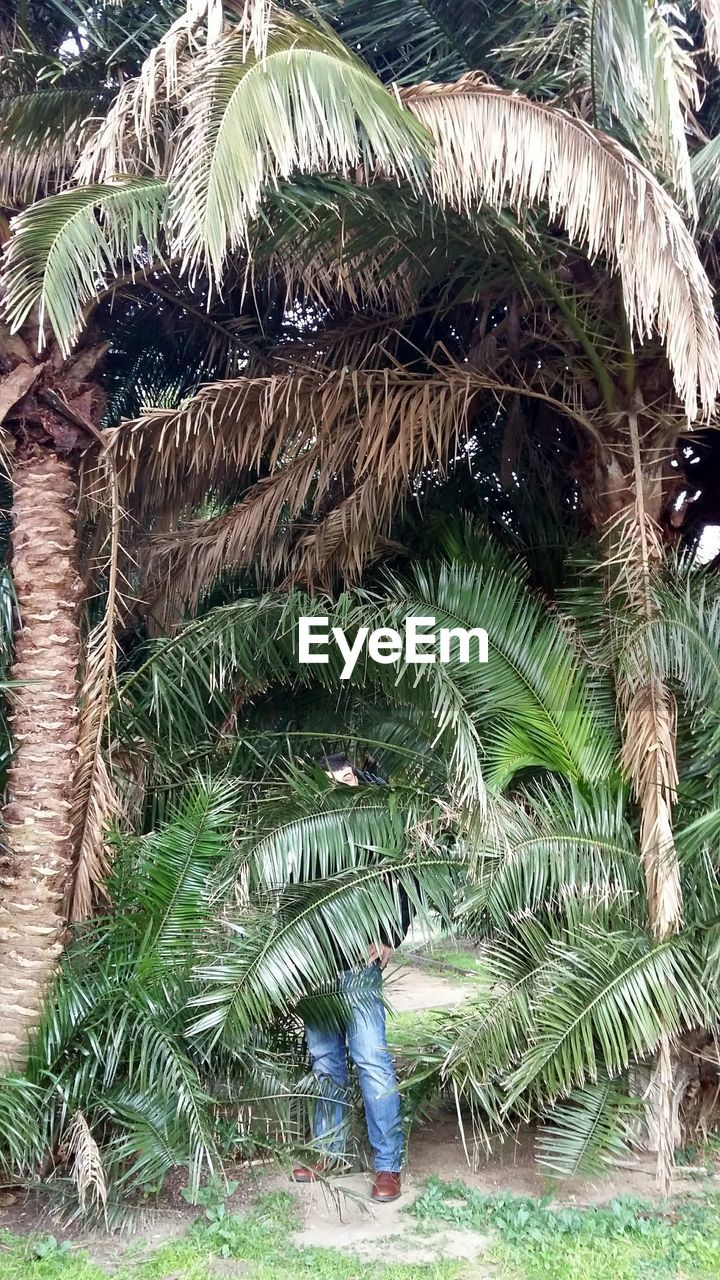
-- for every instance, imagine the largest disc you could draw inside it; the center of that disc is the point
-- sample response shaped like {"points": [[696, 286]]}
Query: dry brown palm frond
{"points": [[183, 565], [340, 275], [173, 457], [95, 800], [351, 535], [366, 436], [503, 149], [136, 131], [337, 447], [710, 14], [87, 1167], [360, 341], [133, 135], [250, 424]]}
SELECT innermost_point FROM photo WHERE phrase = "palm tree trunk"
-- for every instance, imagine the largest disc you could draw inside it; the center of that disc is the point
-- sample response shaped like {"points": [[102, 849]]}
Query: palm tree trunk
{"points": [[649, 757], [37, 827]]}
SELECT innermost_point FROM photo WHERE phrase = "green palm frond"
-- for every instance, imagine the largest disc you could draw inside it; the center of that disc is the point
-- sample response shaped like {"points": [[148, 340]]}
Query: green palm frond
{"points": [[604, 1001], [422, 39], [176, 864], [706, 176], [682, 642], [64, 246], [271, 961], [490, 1034], [319, 831], [551, 845], [532, 697], [644, 75], [21, 1124], [531, 706], [112, 1040], [586, 1131], [156, 1053], [309, 104]]}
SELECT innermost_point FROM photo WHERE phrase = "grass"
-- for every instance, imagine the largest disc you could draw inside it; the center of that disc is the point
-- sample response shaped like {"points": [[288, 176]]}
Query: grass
{"points": [[458, 958], [623, 1240], [411, 1030], [259, 1241], [527, 1240]]}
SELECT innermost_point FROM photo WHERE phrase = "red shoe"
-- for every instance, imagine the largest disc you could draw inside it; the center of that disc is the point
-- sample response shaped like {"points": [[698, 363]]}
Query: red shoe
{"points": [[316, 1169], [386, 1186]]}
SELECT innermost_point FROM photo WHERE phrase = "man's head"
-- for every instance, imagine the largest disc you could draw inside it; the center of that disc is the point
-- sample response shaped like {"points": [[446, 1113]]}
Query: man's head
{"points": [[339, 768]]}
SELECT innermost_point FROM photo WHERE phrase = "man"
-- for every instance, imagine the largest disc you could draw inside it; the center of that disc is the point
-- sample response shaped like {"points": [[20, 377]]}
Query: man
{"points": [[364, 1038]]}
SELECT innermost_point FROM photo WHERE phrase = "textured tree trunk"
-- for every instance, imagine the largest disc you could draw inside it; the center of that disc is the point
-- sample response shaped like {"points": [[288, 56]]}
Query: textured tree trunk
{"points": [[634, 551], [36, 818]]}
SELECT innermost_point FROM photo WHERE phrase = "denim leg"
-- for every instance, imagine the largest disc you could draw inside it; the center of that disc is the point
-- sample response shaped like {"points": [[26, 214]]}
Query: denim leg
{"points": [[367, 1043], [327, 1051]]}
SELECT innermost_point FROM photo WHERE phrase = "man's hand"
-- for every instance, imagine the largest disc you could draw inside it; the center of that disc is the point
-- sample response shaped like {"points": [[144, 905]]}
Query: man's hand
{"points": [[382, 954]]}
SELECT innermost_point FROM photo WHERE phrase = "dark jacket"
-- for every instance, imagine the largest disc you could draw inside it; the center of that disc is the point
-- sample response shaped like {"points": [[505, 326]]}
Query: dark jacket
{"points": [[390, 935]]}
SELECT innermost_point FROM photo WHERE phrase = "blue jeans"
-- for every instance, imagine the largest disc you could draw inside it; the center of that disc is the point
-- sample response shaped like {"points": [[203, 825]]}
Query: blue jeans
{"points": [[365, 1039]]}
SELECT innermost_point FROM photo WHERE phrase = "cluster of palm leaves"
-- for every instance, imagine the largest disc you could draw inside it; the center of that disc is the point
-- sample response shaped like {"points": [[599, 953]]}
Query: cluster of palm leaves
{"points": [[508, 818], [322, 211]]}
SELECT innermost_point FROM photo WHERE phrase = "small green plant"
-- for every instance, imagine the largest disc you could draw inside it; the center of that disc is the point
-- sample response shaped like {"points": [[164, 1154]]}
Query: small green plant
{"points": [[626, 1239], [212, 1197], [50, 1247]]}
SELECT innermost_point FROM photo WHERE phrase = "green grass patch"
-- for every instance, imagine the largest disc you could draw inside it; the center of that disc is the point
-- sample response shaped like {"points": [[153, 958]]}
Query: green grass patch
{"points": [[623, 1240], [410, 1030], [464, 962], [259, 1241]]}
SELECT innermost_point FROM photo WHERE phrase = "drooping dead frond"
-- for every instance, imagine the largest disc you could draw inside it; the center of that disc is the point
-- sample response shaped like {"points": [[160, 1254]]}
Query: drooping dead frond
{"points": [[353, 533], [710, 14], [87, 1167], [503, 149], [255, 22], [95, 800], [327, 457], [135, 133], [173, 457], [319, 437], [169, 457]]}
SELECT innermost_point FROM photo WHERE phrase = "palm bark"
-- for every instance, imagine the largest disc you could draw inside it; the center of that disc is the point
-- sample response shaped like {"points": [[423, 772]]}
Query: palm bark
{"points": [[634, 552], [48, 406], [36, 817]]}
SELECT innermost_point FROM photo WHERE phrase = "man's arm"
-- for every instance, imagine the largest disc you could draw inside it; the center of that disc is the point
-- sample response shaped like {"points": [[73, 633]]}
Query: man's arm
{"points": [[391, 936]]}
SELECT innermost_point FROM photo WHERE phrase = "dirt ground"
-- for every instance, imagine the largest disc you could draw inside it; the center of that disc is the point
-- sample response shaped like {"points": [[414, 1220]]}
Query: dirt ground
{"points": [[413, 989], [340, 1216]]}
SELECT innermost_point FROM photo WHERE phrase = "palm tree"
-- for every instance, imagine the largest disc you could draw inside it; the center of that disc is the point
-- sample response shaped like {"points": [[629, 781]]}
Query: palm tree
{"points": [[50, 408], [263, 103], [576, 985], [510, 771]]}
